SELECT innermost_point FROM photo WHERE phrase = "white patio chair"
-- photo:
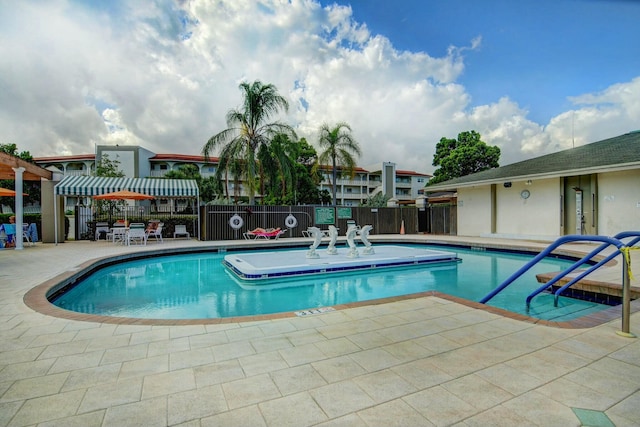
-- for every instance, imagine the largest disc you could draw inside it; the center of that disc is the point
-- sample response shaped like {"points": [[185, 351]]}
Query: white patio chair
{"points": [[181, 230], [137, 236], [156, 232]]}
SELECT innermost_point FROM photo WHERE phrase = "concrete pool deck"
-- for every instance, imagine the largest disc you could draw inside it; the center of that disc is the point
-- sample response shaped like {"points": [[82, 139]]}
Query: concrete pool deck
{"points": [[419, 361]]}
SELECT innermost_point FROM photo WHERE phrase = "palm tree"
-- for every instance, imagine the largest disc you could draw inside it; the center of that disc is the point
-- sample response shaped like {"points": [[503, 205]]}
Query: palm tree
{"points": [[338, 145], [248, 129]]}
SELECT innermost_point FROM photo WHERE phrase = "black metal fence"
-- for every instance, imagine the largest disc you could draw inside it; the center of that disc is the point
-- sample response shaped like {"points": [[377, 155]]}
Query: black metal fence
{"points": [[86, 218], [222, 223], [217, 224]]}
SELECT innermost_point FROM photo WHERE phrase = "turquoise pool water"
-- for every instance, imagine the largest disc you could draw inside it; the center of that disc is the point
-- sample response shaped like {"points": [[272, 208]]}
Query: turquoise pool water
{"points": [[197, 286]]}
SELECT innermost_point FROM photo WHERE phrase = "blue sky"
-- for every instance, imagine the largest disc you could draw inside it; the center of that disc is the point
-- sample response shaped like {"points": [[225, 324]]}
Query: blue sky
{"points": [[538, 53], [531, 76]]}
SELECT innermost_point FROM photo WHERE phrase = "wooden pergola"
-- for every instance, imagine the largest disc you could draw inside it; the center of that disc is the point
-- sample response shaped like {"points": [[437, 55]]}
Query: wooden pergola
{"points": [[14, 168], [31, 172]]}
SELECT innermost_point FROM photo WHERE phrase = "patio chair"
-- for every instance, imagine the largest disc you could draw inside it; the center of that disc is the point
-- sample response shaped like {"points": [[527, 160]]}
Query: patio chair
{"points": [[26, 235], [181, 230], [102, 227], [137, 236], [156, 232]]}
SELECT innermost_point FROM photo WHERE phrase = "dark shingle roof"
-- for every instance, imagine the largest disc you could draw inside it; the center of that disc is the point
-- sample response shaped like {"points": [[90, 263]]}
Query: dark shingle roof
{"points": [[621, 152]]}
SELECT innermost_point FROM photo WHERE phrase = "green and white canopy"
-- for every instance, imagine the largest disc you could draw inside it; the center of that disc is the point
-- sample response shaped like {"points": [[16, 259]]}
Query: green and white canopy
{"points": [[96, 185]]}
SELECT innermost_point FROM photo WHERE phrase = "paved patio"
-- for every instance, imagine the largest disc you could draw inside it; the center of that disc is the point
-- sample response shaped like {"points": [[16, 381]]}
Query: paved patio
{"points": [[420, 362]]}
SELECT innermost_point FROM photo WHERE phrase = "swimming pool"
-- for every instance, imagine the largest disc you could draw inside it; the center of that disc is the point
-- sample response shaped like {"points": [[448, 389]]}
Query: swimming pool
{"points": [[197, 286]]}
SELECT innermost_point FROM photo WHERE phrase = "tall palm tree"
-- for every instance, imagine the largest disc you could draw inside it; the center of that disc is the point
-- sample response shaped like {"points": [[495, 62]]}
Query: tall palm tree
{"points": [[338, 145], [249, 128]]}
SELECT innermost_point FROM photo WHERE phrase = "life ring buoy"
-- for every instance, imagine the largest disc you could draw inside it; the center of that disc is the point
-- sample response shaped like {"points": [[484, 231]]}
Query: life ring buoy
{"points": [[291, 221], [236, 222]]}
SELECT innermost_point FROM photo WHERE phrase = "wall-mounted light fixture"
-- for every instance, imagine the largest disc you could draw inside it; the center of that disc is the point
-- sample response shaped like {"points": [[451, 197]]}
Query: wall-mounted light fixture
{"points": [[507, 185], [529, 182]]}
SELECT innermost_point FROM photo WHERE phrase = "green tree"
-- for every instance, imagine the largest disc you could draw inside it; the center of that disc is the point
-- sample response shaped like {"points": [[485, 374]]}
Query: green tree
{"points": [[277, 160], [248, 129], [307, 177], [208, 188], [109, 168], [337, 145], [379, 200], [463, 156]]}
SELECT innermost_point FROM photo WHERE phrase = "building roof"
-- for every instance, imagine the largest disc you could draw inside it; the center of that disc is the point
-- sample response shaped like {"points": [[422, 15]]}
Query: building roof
{"points": [[613, 154], [411, 173], [96, 185], [56, 159], [183, 158]]}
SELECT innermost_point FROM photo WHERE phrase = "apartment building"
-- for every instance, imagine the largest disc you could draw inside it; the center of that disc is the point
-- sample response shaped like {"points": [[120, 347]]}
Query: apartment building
{"points": [[138, 162]]}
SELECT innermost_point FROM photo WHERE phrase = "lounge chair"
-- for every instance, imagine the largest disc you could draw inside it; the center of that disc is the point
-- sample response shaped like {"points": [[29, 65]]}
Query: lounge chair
{"points": [[272, 234], [156, 231], [253, 234], [181, 230]]}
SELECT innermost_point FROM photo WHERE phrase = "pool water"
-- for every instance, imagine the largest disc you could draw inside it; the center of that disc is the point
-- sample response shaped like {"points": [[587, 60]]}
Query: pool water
{"points": [[198, 286]]}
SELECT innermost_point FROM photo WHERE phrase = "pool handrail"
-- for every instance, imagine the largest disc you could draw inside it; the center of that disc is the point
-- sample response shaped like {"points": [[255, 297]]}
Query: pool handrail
{"points": [[558, 242], [594, 267]]}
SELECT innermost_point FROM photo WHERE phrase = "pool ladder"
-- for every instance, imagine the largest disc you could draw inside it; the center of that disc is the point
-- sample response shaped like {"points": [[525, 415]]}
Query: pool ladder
{"points": [[607, 241]]}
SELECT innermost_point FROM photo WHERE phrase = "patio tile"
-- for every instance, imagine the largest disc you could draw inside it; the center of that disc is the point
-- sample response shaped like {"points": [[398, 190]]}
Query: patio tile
{"points": [[231, 351], [249, 416], [167, 383], [190, 358], [338, 368], [297, 379], [477, 392], [143, 367], [262, 362], [421, 373], [77, 361], [146, 412], [35, 387], [302, 354], [104, 396], [93, 419], [169, 346], [89, 377], [396, 413], [195, 404], [218, 373], [440, 406], [18, 371], [384, 385], [541, 410], [47, 408], [341, 398], [375, 359], [249, 391], [206, 340], [294, 410], [125, 354]]}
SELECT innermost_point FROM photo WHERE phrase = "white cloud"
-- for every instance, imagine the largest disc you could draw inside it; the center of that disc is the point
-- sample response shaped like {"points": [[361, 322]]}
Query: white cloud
{"points": [[155, 75]]}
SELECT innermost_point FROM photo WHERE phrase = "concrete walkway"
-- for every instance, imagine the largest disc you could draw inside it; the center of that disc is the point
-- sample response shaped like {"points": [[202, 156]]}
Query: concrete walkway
{"points": [[413, 362]]}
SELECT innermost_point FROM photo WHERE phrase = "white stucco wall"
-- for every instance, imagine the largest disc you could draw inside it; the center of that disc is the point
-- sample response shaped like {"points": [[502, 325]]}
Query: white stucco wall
{"points": [[538, 215], [474, 211], [618, 202]]}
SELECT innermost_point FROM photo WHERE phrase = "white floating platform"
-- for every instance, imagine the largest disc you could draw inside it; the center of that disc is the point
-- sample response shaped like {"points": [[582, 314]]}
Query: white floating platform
{"points": [[268, 265]]}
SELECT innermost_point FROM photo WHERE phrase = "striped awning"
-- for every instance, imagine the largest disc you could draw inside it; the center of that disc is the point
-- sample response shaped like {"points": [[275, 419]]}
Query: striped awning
{"points": [[96, 185]]}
